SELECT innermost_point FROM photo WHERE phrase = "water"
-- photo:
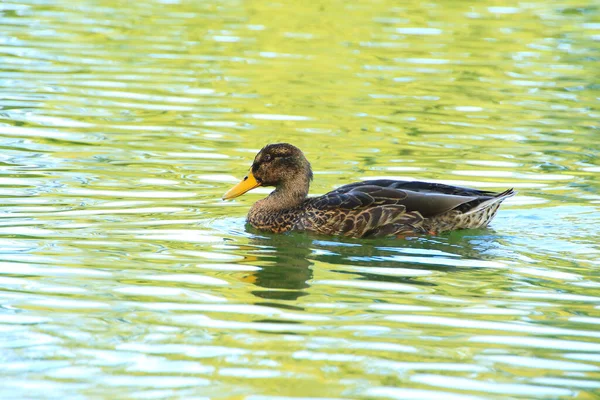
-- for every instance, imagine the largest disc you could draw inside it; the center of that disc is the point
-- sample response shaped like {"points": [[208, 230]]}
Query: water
{"points": [[123, 274]]}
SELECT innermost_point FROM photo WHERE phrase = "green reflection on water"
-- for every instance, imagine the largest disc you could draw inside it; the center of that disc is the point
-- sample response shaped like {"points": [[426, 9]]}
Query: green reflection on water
{"points": [[123, 275]]}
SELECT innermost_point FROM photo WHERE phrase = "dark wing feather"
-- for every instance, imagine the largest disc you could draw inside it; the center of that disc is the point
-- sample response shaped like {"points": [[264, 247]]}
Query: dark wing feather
{"points": [[425, 201], [359, 212], [385, 207], [416, 186]]}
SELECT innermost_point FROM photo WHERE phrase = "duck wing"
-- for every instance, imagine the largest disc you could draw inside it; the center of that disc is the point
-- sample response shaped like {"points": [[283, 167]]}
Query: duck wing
{"points": [[358, 214], [417, 186], [385, 207]]}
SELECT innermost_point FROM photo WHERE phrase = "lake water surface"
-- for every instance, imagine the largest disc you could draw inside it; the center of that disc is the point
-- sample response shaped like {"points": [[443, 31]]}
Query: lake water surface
{"points": [[124, 276]]}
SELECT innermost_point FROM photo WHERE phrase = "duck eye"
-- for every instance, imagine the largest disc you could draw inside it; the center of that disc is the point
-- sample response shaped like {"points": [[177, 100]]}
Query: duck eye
{"points": [[267, 158]]}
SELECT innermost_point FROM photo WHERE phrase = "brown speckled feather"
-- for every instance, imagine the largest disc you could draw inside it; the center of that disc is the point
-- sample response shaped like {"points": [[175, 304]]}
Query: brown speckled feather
{"points": [[364, 211], [386, 207]]}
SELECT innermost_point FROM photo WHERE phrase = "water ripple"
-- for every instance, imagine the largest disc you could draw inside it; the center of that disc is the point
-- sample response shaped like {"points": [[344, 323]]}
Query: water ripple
{"points": [[123, 274]]}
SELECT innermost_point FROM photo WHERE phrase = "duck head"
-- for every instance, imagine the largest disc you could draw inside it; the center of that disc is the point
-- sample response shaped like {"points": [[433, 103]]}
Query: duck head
{"points": [[281, 165]]}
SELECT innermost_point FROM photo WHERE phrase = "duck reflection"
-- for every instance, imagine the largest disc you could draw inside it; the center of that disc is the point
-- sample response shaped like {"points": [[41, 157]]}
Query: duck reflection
{"points": [[285, 266], [286, 260]]}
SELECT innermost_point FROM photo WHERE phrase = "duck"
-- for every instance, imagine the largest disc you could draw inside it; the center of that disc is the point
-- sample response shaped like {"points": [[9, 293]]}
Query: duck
{"points": [[366, 209]]}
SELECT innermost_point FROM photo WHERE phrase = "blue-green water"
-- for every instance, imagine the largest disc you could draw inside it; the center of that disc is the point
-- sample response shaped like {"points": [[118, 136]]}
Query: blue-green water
{"points": [[123, 275]]}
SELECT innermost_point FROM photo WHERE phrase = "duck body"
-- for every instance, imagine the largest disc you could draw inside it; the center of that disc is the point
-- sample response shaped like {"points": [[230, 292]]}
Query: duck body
{"points": [[368, 209], [381, 208]]}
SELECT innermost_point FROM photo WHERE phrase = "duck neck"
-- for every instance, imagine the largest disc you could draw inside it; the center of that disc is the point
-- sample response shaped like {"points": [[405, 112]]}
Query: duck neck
{"points": [[286, 196]]}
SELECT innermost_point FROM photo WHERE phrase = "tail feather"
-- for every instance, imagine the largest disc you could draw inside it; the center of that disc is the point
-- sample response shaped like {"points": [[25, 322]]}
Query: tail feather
{"points": [[506, 194], [500, 197]]}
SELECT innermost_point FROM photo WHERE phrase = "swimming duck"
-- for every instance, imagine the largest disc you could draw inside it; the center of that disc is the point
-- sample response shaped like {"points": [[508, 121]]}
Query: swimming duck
{"points": [[368, 209]]}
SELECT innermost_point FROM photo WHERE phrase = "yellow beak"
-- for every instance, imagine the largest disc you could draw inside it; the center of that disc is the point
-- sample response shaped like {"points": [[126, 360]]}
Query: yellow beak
{"points": [[248, 183]]}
